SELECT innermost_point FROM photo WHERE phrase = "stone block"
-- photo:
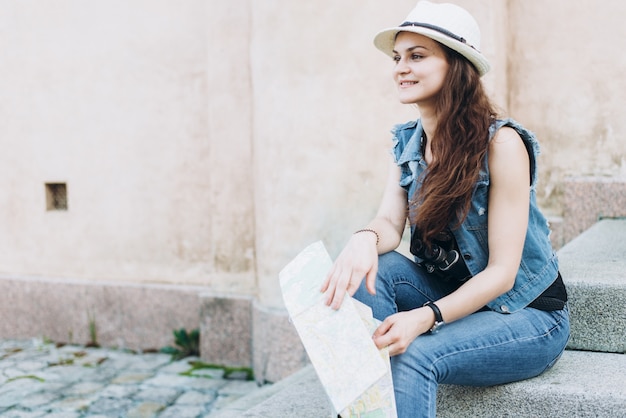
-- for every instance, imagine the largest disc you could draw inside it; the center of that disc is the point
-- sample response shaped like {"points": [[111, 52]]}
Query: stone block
{"points": [[593, 266], [278, 351], [226, 330]]}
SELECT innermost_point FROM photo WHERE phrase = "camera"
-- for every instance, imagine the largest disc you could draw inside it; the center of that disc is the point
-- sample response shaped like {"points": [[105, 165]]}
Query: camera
{"points": [[440, 258]]}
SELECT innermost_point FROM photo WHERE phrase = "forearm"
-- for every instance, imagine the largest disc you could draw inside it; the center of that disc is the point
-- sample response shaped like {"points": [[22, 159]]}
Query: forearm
{"points": [[389, 234], [391, 216], [476, 293]]}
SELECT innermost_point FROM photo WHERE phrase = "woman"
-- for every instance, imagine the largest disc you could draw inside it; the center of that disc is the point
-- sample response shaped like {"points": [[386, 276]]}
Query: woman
{"points": [[482, 303]]}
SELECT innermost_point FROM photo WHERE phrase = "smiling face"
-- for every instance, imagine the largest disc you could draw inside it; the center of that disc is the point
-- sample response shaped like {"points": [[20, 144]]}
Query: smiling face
{"points": [[420, 70]]}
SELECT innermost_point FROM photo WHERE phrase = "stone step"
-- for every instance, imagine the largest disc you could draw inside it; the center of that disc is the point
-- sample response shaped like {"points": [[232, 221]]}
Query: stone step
{"points": [[593, 266], [581, 384], [299, 395]]}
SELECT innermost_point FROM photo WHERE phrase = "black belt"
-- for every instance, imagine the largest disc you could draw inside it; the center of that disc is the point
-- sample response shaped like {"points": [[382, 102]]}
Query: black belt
{"points": [[544, 303], [553, 298]]}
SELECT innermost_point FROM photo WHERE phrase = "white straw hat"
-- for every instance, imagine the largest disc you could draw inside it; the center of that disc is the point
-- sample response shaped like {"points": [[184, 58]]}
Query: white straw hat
{"points": [[446, 23]]}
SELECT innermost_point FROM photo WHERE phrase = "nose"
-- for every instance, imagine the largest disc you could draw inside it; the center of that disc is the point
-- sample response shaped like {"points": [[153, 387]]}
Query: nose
{"points": [[401, 67]]}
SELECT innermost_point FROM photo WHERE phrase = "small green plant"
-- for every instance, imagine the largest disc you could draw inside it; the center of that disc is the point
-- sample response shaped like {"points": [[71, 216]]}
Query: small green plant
{"points": [[27, 376], [187, 344], [93, 331], [228, 371], [62, 362]]}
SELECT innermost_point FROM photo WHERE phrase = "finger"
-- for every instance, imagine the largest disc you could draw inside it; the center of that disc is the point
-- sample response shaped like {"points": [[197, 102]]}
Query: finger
{"points": [[388, 340], [370, 282], [382, 329], [391, 341], [330, 289], [337, 299], [331, 292], [354, 283], [383, 342], [329, 297], [395, 349], [335, 289], [328, 279]]}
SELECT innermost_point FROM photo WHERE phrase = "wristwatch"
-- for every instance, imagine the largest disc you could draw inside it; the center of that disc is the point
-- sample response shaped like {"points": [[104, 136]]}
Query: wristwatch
{"points": [[438, 318]]}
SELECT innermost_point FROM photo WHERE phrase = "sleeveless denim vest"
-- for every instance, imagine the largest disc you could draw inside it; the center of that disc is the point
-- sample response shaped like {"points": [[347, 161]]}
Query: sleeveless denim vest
{"points": [[539, 265]]}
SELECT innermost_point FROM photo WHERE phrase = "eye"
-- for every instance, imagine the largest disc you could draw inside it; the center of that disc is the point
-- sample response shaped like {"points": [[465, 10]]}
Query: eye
{"points": [[396, 58], [416, 57]]}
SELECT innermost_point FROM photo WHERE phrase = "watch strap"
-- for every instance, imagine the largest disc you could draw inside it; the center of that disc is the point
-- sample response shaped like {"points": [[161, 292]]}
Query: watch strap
{"points": [[438, 317]]}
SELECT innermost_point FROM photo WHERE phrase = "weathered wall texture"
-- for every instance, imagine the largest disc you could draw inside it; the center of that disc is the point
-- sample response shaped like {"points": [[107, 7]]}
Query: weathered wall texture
{"points": [[567, 81], [207, 142], [118, 100]]}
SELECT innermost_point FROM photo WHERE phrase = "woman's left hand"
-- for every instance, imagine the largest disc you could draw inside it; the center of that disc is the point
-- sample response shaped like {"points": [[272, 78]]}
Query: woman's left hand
{"points": [[399, 330]]}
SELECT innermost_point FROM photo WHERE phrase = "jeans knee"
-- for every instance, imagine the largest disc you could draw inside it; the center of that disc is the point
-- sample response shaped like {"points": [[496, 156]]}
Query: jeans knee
{"points": [[418, 360], [389, 262]]}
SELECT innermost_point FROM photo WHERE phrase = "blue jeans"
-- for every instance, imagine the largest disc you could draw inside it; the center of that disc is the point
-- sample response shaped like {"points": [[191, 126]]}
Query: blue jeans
{"points": [[483, 349]]}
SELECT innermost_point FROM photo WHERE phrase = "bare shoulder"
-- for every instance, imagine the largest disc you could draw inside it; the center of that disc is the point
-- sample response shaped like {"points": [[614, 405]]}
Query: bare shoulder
{"points": [[508, 157], [507, 142], [506, 134]]}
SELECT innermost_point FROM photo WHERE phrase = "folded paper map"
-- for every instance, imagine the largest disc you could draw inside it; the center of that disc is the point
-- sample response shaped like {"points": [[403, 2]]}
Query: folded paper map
{"points": [[355, 374]]}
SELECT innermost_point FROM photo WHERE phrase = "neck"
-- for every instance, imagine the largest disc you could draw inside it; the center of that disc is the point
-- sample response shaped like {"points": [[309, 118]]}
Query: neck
{"points": [[429, 121]]}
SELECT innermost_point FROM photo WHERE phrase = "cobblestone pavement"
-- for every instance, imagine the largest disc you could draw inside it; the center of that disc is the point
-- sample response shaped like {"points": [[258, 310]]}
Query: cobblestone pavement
{"points": [[39, 379]]}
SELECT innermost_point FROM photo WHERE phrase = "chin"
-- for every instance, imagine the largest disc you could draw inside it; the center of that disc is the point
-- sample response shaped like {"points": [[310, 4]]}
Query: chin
{"points": [[407, 101]]}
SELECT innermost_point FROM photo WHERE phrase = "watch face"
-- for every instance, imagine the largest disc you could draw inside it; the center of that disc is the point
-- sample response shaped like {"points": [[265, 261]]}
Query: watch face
{"points": [[436, 327]]}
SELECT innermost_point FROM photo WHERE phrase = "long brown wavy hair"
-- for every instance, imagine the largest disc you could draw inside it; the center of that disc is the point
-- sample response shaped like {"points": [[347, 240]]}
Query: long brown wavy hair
{"points": [[464, 113]]}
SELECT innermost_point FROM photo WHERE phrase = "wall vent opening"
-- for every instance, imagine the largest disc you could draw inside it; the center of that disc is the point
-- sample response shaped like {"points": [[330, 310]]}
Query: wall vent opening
{"points": [[56, 196]]}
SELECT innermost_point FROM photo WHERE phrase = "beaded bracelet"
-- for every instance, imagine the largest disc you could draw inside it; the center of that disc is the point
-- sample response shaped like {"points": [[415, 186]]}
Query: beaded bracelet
{"points": [[372, 231]]}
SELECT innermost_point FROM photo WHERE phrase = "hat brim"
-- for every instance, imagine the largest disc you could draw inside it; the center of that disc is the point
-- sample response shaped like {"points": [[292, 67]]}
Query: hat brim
{"points": [[386, 39]]}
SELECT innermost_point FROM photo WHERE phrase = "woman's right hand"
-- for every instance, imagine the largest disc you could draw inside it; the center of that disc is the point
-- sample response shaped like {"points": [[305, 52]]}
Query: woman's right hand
{"points": [[358, 260]]}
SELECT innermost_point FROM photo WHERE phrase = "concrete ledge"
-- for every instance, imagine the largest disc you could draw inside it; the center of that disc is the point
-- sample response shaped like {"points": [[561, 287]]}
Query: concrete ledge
{"points": [[581, 384], [593, 266], [135, 316]]}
